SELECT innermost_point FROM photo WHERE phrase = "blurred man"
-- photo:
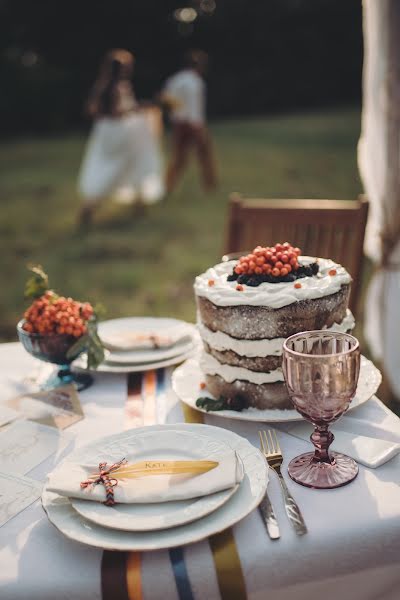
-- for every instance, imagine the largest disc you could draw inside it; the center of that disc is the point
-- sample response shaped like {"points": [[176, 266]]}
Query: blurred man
{"points": [[185, 95]]}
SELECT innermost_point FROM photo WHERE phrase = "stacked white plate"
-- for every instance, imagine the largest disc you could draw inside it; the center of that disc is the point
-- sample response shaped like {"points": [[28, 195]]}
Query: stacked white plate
{"points": [[142, 527], [174, 342]]}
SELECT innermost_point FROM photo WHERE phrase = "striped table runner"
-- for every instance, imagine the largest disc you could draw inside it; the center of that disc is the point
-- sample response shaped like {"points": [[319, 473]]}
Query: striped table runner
{"points": [[121, 577]]}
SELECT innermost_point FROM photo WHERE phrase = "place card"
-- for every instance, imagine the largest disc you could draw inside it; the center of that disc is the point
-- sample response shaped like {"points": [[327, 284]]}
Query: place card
{"points": [[16, 493], [7, 415], [24, 445], [59, 407]]}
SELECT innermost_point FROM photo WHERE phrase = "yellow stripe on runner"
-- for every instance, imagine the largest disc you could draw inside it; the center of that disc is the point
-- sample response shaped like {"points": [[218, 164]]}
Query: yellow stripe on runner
{"points": [[228, 566], [191, 415], [133, 576], [149, 395], [226, 558]]}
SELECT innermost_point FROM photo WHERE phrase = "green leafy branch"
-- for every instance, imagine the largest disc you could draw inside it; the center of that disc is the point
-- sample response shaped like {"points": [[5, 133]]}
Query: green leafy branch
{"points": [[89, 343], [37, 284], [236, 403]]}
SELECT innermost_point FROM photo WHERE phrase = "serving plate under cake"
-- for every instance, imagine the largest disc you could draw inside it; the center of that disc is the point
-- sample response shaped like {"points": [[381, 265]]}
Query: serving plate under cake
{"points": [[187, 378]]}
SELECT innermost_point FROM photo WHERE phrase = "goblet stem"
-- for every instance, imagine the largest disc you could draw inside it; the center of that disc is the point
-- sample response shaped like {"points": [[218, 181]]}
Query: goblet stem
{"points": [[322, 438], [65, 374]]}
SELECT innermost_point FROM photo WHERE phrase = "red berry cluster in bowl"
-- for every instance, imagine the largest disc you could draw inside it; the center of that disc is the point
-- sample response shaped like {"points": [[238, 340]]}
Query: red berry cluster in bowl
{"points": [[52, 314], [58, 329], [278, 261], [271, 264]]}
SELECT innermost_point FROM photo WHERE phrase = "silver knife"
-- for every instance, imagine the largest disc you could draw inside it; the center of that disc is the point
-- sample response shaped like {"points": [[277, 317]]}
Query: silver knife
{"points": [[292, 510], [269, 518]]}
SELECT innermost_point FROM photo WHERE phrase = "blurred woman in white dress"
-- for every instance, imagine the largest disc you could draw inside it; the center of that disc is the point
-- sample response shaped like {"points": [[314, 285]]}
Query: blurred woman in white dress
{"points": [[122, 158]]}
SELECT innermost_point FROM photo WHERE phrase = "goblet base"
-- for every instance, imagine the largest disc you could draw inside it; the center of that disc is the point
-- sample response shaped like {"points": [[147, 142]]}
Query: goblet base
{"points": [[304, 469]]}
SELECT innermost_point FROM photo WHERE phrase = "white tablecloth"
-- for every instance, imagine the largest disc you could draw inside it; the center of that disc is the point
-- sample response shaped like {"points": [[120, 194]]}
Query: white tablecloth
{"points": [[352, 549]]}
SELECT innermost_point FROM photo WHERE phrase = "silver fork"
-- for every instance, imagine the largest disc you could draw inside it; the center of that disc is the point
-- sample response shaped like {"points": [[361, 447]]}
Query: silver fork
{"points": [[272, 452]]}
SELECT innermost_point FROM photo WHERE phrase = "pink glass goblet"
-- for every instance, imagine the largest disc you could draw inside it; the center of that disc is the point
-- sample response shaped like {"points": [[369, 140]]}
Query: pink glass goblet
{"points": [[321, 371]]}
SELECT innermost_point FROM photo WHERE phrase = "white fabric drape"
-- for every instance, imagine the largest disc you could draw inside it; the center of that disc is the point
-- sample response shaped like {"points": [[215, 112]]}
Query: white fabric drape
{"points": [[123, 160], [379, 158]]}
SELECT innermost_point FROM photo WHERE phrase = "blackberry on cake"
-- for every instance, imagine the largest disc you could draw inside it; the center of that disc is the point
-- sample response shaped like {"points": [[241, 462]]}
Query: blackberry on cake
{"points": [[247, 308]]}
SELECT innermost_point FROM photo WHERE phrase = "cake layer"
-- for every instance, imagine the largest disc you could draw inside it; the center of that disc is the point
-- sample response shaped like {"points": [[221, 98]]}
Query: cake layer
{"points": [[221, 342], [254, 363], [211, 366], [264, 396], [256, 322], [273, 295]]}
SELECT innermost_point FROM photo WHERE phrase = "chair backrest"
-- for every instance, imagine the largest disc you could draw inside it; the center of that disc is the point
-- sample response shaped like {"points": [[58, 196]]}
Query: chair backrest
{"points": [[326, 228]]}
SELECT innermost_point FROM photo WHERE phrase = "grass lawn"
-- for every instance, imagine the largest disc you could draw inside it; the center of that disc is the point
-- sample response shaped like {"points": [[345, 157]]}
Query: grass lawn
{"points": [[146, 266]]}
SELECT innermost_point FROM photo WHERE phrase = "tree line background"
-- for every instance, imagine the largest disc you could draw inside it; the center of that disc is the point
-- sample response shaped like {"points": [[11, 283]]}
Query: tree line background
{"points": [[265, 55]]}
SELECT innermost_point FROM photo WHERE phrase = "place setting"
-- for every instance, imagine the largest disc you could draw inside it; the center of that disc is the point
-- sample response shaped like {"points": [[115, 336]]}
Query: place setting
{"points": [[135, 344], [155, 487]]}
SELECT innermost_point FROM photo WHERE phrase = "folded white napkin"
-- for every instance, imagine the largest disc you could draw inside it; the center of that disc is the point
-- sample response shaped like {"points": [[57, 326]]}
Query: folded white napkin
{"points": [[143, 340], [157, 488], [368, 451]]}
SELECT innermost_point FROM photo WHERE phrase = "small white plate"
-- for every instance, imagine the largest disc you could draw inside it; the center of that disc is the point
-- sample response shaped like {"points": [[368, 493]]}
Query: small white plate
{"points": [[186, 381], [187, 331], [250, 493], [166, 445]]}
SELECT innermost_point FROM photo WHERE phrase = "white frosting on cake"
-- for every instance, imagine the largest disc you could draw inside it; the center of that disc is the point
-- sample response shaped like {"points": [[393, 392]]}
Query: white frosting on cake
{"points": [[211, 366], [253, 348], [272, 295]]}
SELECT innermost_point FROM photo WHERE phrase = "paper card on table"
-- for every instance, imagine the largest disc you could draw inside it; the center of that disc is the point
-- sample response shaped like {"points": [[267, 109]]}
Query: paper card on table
{"points": [[59, 407], [369, 451], [7, 415], [24, 445], [16, 493]]}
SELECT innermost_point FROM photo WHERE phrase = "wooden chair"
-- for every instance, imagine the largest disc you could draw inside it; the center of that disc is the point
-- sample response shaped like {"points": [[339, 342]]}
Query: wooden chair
{"points": [[326, 228]]}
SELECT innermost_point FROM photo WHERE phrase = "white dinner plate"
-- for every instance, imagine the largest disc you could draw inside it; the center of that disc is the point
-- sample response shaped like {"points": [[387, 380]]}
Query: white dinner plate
{"points": [[187, 331], [186, 381], [249, 494], [165, 445], [80, 364]]}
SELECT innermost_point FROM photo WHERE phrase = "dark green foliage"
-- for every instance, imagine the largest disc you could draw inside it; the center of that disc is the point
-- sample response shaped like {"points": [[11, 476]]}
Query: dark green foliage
{"points": [[236, 403], [37, 284], [146, 266], [90, 343], [266, 56]]}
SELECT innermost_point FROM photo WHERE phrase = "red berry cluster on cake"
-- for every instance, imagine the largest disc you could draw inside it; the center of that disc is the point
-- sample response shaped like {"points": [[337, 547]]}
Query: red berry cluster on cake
{"points": [[277, 262], [247, 308]]}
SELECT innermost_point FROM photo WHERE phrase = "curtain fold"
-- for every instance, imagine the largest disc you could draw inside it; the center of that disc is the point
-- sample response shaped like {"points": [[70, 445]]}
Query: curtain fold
{"points": [[379, 164]]}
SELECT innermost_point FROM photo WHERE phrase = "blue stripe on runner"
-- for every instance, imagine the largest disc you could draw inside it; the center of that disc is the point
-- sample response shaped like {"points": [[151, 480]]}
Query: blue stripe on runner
{"points": [[180, 573], [161, 409], [160, 381]]}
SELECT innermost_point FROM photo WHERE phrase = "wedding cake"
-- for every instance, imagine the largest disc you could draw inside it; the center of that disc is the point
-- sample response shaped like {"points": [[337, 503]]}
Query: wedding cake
{"points": [[247, 308]]}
